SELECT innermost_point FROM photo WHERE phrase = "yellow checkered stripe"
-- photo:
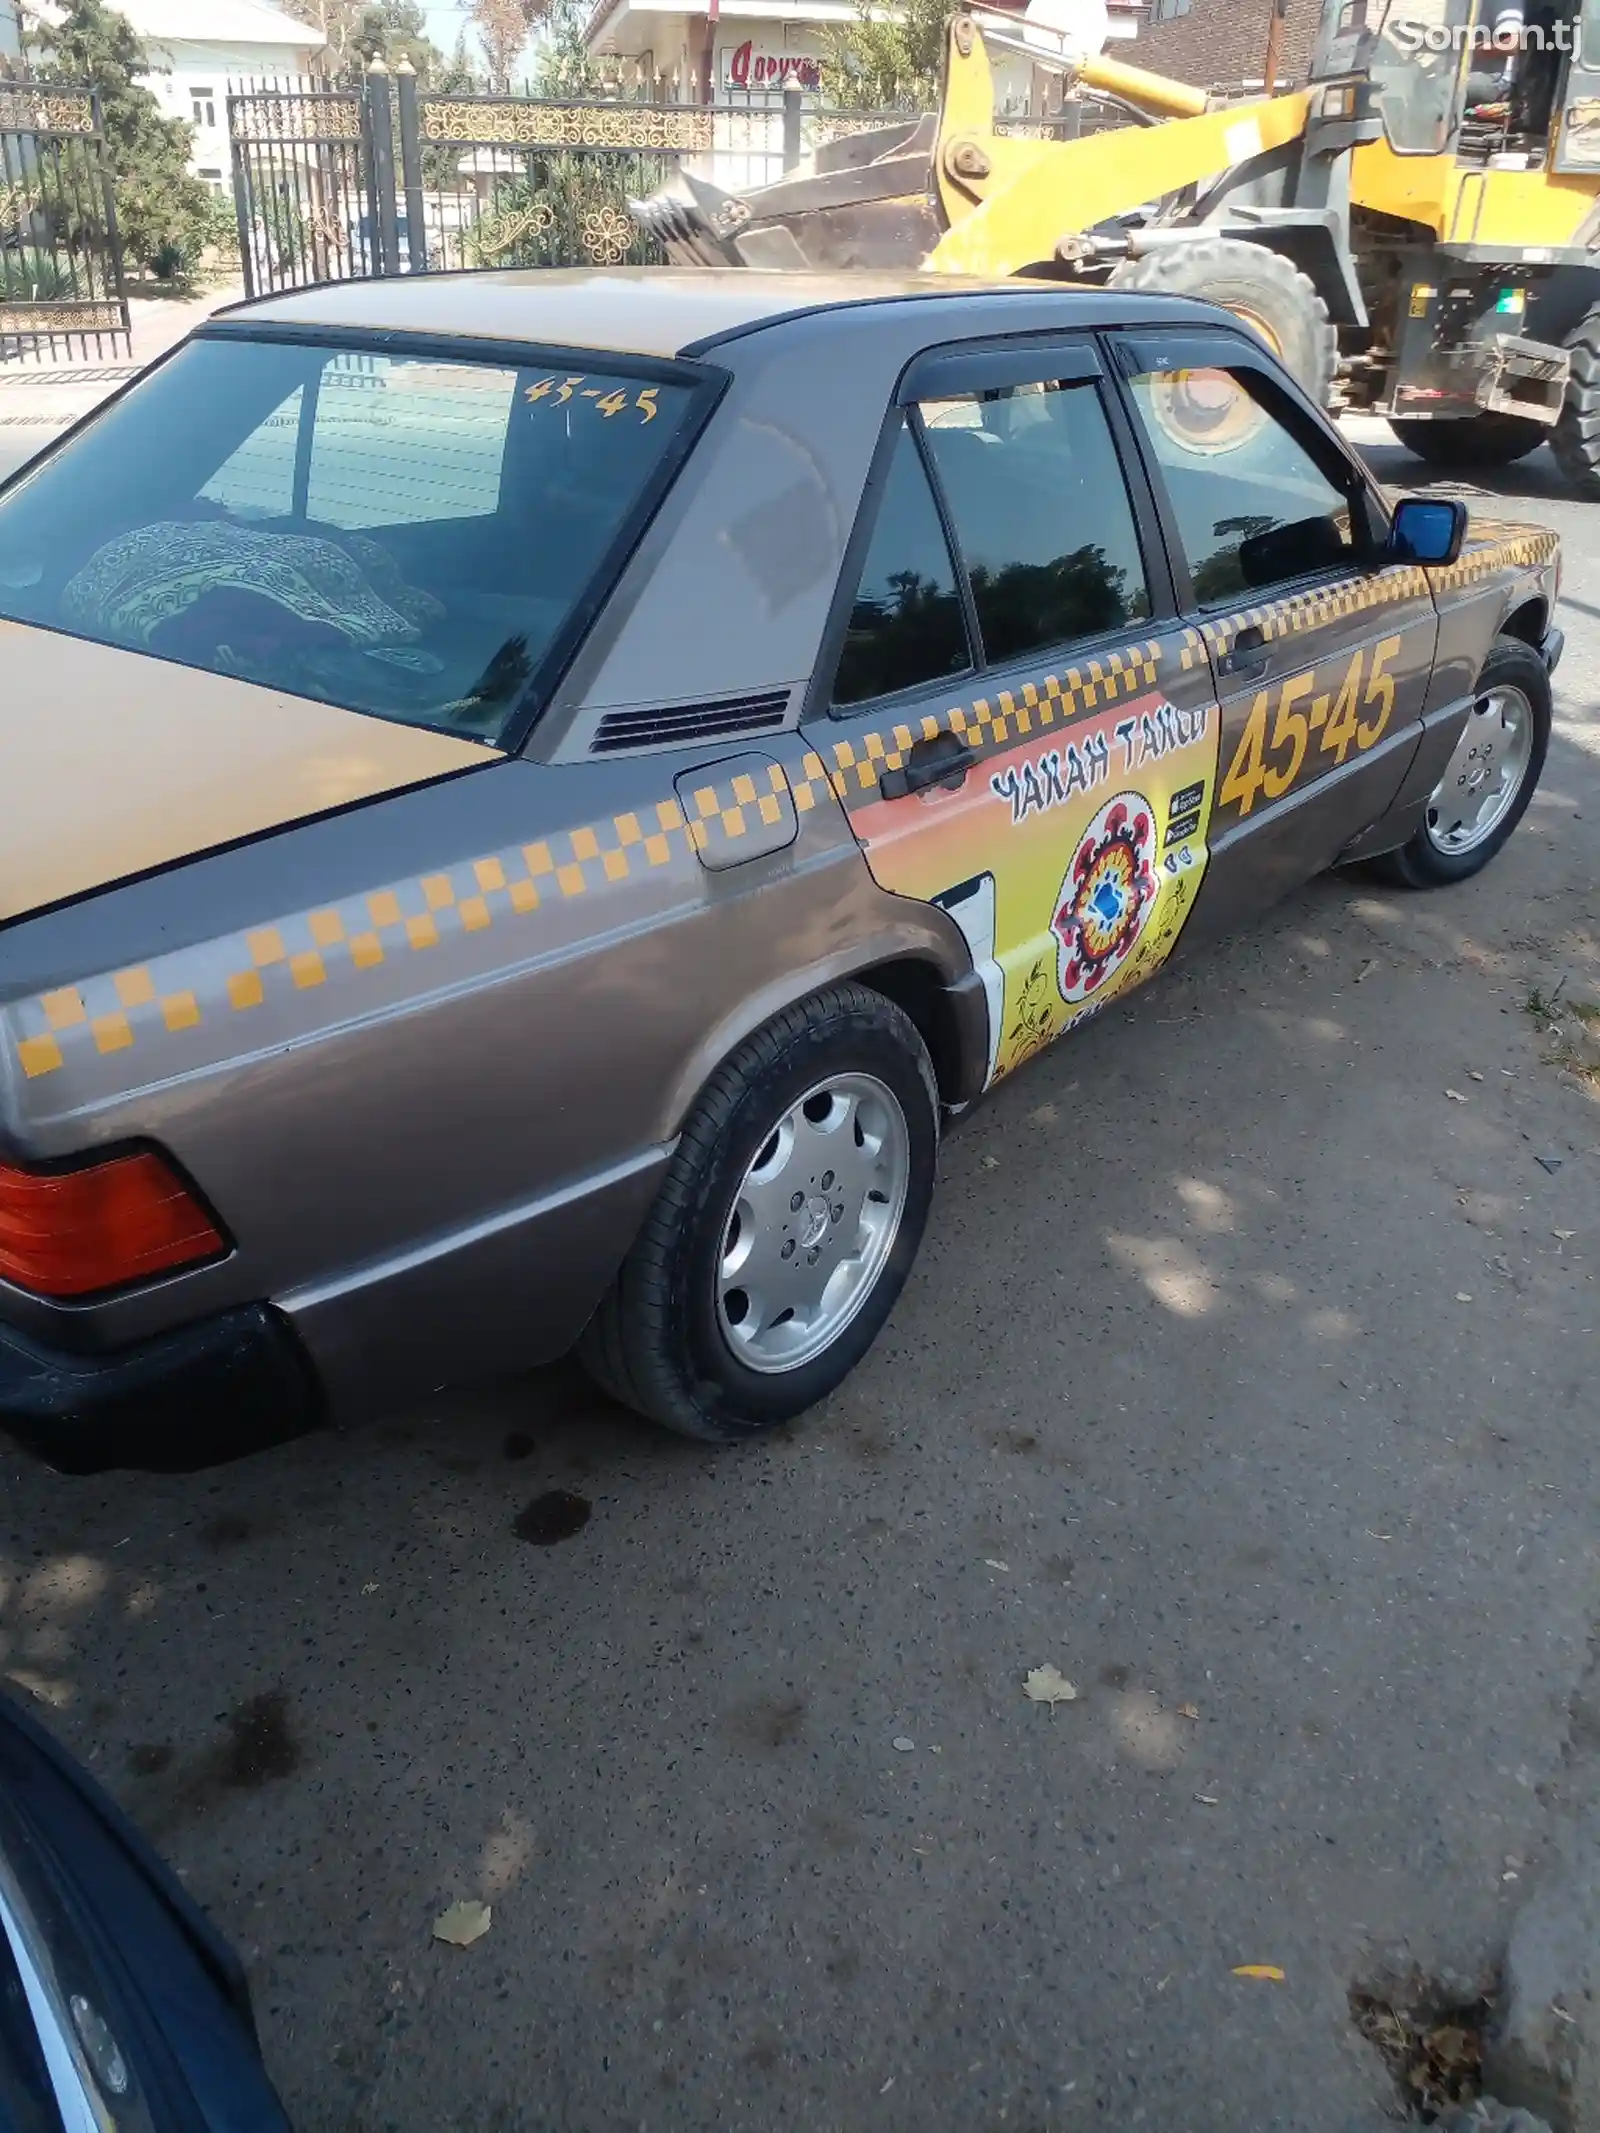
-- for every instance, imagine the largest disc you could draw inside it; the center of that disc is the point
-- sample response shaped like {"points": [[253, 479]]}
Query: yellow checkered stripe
{"points": [[1302, 612], [734, 808], [1525, 552], [369, 931], [988, 725]]}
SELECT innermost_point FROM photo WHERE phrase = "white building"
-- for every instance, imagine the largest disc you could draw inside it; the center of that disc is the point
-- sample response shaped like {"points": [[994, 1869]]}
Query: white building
{"points": [[752, 50], [196, 47]]}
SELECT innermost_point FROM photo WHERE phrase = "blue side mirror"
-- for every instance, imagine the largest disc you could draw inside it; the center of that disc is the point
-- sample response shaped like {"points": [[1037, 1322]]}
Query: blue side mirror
{"points": [[1426, 529]]}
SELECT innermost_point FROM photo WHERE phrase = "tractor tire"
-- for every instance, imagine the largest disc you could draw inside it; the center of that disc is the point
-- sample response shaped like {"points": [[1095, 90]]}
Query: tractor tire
{"points": [[1486, 440], [1576, 438], [1262, 287]]}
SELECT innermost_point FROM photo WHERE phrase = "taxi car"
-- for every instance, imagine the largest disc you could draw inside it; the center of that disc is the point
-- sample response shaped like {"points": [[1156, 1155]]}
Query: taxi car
{"points": [[531, 798]]}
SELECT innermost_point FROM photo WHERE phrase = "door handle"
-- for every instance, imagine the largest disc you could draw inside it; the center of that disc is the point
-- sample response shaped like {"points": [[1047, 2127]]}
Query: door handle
{"points": [[944, 760], [1247, 654]]}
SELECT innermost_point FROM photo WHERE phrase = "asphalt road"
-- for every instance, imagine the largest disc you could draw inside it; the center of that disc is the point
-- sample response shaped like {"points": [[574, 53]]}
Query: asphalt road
{"points": [[1247, 1378]]}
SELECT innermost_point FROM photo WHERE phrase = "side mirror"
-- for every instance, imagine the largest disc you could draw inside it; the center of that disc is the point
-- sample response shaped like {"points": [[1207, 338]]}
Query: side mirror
{"points": [[1426, 529]]}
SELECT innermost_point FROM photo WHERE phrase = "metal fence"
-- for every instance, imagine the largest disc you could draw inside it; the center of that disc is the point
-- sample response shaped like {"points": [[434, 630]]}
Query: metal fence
{"points": [[391, 178], [61, 284], [303, 186]]}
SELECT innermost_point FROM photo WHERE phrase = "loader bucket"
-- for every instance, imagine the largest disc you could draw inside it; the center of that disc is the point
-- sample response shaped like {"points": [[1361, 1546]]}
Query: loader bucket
{"points": [[865, 201]]}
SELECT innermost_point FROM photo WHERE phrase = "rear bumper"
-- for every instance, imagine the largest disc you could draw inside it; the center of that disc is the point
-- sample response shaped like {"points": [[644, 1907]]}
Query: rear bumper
{"points": [[203, 1393]]}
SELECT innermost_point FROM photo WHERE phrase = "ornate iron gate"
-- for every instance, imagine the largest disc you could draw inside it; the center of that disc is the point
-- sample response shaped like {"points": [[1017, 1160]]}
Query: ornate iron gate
{"points": [[303, 187], [61, 286], [389, 179], [516, 181]]}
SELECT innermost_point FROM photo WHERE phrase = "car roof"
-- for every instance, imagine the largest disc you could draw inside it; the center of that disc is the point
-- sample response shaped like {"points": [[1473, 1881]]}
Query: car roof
{"points": [[652, 311]]}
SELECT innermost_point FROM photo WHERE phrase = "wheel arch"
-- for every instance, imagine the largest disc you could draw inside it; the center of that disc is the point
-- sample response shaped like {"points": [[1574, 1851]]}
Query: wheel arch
{"points": [[922, 964], [951, 1019], [1528, 621]]}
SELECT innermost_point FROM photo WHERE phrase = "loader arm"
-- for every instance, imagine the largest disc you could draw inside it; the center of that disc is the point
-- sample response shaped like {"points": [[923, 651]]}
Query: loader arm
{"points": [[1008, 203]]}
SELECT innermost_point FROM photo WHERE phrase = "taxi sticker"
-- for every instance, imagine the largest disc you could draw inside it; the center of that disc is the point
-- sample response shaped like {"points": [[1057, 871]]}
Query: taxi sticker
{"points": [[1095, 839]]}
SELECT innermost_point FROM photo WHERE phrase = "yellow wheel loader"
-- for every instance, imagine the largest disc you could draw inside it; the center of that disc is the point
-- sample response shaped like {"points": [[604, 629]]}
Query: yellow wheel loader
{"points": [[1416, 231]]}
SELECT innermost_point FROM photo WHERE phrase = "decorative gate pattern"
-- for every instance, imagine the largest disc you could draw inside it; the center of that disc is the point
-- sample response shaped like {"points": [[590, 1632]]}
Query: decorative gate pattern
{"points": [[61, 286], [302, 185], [390, 179]]}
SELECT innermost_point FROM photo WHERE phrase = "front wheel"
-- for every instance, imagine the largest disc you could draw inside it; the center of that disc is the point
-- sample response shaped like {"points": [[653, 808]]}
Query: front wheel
{"points": [[785, 1226], [1257, 285], [1490, 777]]}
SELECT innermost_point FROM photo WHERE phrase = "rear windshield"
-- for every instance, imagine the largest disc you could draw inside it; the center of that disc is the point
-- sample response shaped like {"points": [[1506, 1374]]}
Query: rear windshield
{"points": [[408, 535]]}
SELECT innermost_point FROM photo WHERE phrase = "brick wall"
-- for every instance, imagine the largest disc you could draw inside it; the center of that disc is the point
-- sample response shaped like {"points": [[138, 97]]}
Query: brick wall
{"points": [[1222, 42]]}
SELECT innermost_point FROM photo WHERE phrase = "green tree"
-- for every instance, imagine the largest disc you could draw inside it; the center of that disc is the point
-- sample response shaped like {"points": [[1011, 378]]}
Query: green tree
{"points": [[879, 63], [354, 31], [563, 64], [161, 206]]}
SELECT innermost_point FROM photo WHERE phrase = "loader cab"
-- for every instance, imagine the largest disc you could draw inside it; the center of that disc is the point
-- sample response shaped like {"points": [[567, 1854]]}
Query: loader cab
{"points": [[1490, 85]]}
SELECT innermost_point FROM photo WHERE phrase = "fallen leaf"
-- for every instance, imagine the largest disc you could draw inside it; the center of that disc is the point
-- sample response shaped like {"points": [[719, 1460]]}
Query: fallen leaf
{"points": [[991, 1162], [1365, 971], [1456, 1096], [1566, 1235], [1473, 1074], [1208, 1799], [993, 1563], [1188, 1710], [1046, 1684], [1267, 1970], [370, 1586], [1462, 1297], [462, 1924], [901, 1745]]}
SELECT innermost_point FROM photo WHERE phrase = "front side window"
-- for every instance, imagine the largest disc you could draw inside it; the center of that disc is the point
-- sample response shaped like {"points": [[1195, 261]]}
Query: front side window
{"points": [[1041, 516], [1253, 505], [1416, 57], [906, 625], [402, 535]]}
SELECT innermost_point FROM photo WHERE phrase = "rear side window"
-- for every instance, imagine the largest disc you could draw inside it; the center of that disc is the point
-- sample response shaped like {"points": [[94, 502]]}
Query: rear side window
{"points": [[1254, 508], [906, 625], [1041, 515], [401, 534]]}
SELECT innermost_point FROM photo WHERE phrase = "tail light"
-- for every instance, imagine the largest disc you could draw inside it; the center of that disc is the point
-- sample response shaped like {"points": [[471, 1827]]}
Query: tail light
{"points": [[72, 1232]]}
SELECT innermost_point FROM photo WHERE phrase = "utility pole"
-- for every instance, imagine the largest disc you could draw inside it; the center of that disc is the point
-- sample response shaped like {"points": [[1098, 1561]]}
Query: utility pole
{"points": [[1269, 66]]}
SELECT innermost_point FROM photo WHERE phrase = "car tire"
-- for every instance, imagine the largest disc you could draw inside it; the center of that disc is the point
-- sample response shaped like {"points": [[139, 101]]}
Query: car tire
{"points": [[1513, 678], [1259, 286], [1486, 440], [671, 1339]]}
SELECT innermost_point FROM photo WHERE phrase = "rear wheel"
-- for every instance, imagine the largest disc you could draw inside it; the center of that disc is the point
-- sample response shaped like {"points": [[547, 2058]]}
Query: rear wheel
{"points": [[1261, 287], [1576, 440], [1490, 777], [785, 1226], [1485, 440]]}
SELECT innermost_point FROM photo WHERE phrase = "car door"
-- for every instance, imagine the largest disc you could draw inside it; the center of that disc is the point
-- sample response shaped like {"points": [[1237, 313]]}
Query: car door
{"points": [[1320, 648], [1008, 707]]}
